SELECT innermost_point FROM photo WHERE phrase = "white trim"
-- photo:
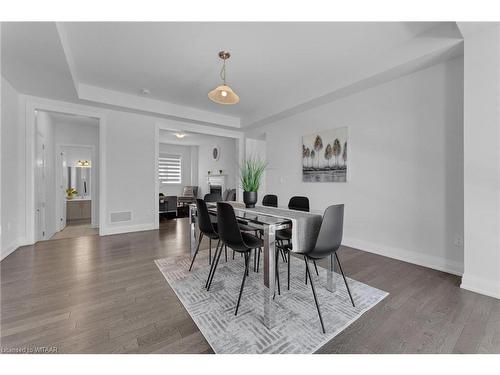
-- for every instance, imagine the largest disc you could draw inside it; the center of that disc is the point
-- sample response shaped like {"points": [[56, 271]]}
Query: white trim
{"points": [[9, 249], [157, 180], [128, 229], [429, 261], [480, 285], [35, 103], [102, 173]]}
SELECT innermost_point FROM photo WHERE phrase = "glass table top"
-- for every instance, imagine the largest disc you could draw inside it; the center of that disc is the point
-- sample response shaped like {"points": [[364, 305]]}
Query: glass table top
{"points": [[251, 216]]}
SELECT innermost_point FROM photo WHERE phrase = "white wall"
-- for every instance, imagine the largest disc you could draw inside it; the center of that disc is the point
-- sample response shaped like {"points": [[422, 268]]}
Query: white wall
{"points": [[482, 161], [404, 195], [185, 153], [130, 173], [12, 155], [74, 133], [228, 162]]}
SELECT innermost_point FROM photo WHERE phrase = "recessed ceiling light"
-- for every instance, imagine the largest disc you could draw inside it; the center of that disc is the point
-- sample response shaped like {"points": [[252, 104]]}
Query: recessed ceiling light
{"points": [[180, 135], [145, 91]]}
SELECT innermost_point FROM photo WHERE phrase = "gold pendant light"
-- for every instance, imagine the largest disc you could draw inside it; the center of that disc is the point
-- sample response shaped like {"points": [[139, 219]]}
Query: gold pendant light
{"points": [[223, 94]]}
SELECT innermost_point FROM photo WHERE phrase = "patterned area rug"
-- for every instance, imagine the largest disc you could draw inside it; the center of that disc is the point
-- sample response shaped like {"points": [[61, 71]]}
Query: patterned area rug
{"points": [[297, 328]]}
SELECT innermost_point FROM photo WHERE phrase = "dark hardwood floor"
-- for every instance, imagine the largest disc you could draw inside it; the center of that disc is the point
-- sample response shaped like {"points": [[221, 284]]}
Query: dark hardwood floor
{"points": [[105, 295]]}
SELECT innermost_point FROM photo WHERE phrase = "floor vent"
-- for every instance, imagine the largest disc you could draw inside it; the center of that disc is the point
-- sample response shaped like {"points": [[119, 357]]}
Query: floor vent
{"points": [[118, 217]]}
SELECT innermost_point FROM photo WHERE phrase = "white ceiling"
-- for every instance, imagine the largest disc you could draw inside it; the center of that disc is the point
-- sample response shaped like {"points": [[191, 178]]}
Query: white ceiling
{"points": [[274, 66], [33, 60]]}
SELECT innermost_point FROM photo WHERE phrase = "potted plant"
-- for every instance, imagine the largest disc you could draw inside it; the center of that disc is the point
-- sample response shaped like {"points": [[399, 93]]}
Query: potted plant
{"points": [[250, 176], [71, 192]]}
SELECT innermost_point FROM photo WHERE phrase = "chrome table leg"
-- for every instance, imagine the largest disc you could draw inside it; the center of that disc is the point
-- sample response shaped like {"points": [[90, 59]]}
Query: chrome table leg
{"points": [[192, 230], [269, 275], [331, 276]]}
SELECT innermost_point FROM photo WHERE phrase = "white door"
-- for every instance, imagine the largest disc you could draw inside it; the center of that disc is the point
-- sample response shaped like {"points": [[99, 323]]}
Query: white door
{"points": [[40, 175], [62, 182]]}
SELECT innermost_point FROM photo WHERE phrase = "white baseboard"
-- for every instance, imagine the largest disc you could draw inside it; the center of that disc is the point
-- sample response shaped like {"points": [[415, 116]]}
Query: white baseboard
{"points": [[105, 231], [480, 285], [409, 256], [9, 249]]}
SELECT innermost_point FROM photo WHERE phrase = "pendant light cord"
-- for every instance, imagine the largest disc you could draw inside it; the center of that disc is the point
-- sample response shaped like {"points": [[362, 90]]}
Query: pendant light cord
{"points": [[223, 72]]}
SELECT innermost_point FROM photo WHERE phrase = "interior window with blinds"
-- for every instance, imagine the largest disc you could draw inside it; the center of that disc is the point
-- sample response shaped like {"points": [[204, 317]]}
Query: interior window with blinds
{"points": [[169, 169]]}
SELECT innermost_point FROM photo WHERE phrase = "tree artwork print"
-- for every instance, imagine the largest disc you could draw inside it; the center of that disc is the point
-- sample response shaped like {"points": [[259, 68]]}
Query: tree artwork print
{"points": [[324, 156]]}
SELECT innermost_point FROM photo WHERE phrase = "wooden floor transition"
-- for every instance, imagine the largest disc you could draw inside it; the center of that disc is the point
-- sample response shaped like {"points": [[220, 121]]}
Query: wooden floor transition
{"points": [[76, 228], [105, 295]]}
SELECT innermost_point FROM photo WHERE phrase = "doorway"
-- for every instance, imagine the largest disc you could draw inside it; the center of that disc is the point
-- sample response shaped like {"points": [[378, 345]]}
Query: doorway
{"points": [[66, 176], [192, 163]]}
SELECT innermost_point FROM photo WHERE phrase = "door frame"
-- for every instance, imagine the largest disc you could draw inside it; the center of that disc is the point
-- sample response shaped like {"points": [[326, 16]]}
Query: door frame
{"points": [[33, 104], [40, 208]]}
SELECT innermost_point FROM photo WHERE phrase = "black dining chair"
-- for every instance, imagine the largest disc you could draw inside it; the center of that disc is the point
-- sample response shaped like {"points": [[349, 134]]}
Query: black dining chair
{"points": [[296, 203], [327, 244], [299, 203], [231, 235], [245, 227], [212, 197], [270, 200], [207, 228]]}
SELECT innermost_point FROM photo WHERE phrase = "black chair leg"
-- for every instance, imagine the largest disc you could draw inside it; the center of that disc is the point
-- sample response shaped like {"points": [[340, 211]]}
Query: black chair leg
{"points": [[314, 294], [196, 252], [289, 270], [307, 274], [278, 273], [215, 266], [283, 255], [225, 252], [213, 263], [345, 281], [247, 258], [255, 260], [233, 254], [209, 251], [258, 259], [316, 268]]}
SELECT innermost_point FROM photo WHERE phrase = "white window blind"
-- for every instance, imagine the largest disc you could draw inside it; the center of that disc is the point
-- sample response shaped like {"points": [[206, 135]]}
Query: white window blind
{"points": [[169, 169]]}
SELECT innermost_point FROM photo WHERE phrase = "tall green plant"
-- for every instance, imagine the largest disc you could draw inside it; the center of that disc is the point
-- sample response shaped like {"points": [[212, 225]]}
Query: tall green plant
{"points": [[251, 174]]}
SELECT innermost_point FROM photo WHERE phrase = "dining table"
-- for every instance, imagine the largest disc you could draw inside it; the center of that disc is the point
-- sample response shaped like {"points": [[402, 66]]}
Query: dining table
{"points": [[303, 226]]}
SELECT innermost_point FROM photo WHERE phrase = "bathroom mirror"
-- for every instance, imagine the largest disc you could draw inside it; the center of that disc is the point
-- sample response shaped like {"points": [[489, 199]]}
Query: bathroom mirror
{"points": [[79, 179]]}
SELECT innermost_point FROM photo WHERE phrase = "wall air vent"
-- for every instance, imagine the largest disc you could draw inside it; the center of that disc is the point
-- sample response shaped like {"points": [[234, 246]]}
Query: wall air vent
{"points": [[118, 217]]}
